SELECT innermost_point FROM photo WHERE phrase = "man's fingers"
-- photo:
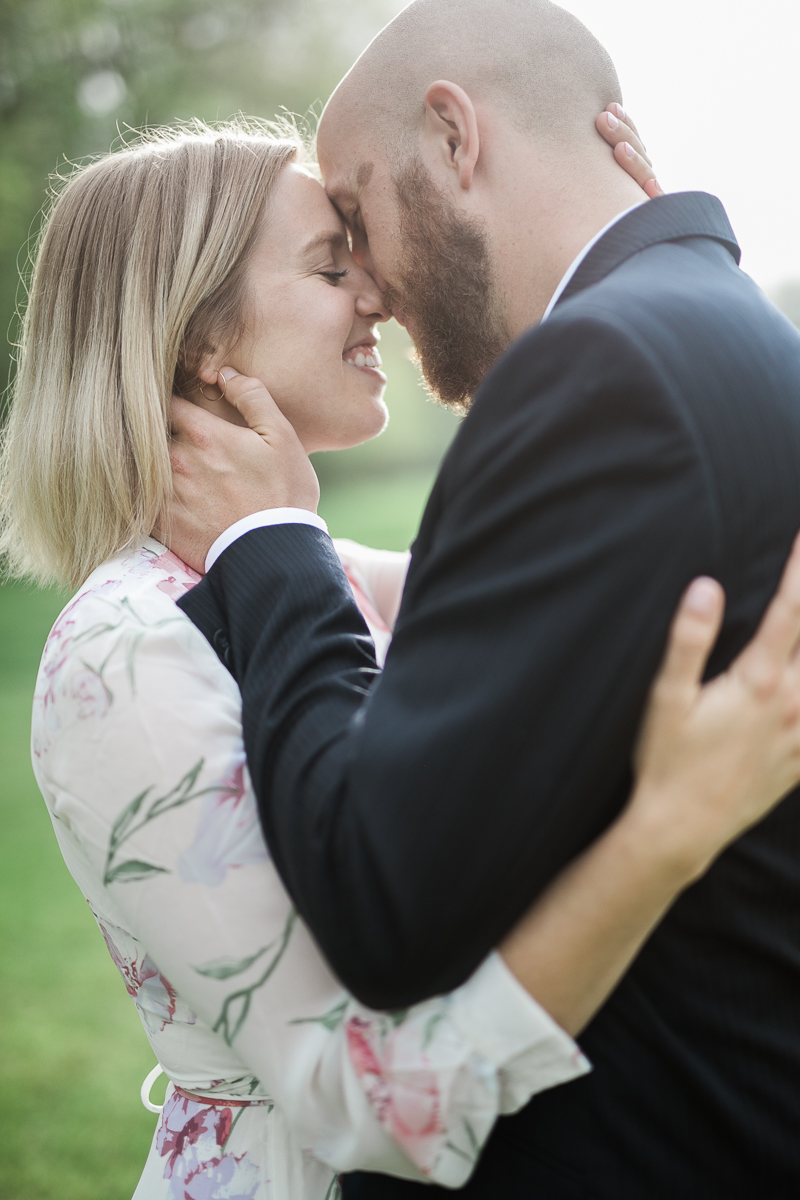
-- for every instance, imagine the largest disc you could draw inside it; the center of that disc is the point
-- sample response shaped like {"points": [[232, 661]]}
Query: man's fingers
{"points": [[691, 639], [616, 131], [779, 632], [192, 424], [250, 397]]}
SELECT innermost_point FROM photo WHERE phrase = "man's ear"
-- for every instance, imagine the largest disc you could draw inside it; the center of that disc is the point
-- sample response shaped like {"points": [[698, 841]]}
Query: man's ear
{"points": [[451, 128]]}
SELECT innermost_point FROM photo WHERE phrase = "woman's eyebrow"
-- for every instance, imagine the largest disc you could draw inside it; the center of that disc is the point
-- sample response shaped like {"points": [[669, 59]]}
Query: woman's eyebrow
{"points": [[333, 239]]}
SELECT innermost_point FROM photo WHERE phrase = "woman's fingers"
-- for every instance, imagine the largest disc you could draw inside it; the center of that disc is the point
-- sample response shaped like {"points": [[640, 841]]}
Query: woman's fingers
{"points": [[619, 112], [616, 131], [616, 127], [693, 633], [767, 656], [638, 169]]}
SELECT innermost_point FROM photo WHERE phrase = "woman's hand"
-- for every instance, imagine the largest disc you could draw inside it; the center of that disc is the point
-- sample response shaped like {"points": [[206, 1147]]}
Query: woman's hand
{"points": [[713, 759], [617, 128]]}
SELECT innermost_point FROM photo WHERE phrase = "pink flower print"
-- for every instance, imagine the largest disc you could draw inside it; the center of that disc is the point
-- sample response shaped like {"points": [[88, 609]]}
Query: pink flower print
{"points": [[154, 996], [408, 1108], [169, 561], [90, 694], [180, 577], [191, 1136], [173, 588], [228, 834]]}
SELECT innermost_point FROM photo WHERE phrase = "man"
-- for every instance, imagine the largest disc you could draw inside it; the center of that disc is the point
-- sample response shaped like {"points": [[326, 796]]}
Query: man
{"points": [[643, 428]]}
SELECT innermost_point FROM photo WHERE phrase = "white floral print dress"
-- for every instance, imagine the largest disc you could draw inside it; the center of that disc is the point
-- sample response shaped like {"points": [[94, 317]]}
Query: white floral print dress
{"points": [[137, 749]]}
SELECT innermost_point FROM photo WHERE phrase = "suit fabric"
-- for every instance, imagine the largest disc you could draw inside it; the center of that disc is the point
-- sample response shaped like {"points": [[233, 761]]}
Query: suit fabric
{"points": [[648, 432]]}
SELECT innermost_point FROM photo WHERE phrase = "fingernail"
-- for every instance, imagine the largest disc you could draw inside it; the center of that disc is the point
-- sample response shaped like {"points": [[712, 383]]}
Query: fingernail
{"points": [[701, 597], [613, 123], [623, 116], [228, 373], [629, 150]]}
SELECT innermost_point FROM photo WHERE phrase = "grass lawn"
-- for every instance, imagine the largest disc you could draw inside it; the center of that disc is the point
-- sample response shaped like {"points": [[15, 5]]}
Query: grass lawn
{"points": [[72, 1050]]}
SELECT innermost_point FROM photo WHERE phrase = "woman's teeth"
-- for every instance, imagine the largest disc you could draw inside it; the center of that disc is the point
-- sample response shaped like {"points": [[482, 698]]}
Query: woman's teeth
{"points": [[363, 356]]}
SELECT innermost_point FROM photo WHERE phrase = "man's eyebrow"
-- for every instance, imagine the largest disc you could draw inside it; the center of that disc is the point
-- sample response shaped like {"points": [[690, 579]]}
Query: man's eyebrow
{"points": [[346, 200], [334, 239], [364, 174]]}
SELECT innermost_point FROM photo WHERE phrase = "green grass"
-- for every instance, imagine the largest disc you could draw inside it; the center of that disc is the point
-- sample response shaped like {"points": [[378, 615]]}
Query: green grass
{"points": [[378, 512], [72, 1050]]}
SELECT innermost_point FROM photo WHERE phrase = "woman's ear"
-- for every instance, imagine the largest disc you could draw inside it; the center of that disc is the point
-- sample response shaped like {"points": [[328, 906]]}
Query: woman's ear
{"points": [[451, 127]]}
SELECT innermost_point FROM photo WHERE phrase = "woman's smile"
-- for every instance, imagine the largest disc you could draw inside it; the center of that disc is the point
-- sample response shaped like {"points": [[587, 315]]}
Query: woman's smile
{"points": [[365, 357]]}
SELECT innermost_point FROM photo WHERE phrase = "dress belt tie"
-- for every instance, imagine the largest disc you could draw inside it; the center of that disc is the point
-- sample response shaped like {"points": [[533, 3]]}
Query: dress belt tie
{"points": [[217, 1102], [211, 1101]]}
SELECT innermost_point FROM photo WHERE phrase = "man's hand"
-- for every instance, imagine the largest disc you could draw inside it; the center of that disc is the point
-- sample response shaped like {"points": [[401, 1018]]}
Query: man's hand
{"points": [[620, 132], [223, 472]]}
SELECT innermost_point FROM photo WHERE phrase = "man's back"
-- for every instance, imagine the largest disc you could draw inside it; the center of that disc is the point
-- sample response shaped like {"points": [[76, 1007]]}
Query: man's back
{"points": [[696, 1089]]}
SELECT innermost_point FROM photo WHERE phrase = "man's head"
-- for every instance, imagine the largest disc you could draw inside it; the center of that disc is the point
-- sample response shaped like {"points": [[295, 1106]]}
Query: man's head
{"points": [[461, 149]]}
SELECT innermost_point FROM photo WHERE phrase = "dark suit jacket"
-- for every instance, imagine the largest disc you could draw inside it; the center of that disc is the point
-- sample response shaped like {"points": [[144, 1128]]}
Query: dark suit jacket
{"points": [[648, 432]]}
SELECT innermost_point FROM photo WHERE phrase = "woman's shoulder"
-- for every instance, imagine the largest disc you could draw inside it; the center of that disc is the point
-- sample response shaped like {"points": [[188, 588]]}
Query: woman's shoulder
{"points": [[149, 571], [121, 638], [145, 581]]}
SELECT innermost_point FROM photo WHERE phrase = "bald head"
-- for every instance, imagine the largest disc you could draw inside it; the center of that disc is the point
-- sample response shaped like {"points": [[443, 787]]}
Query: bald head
{"points": [[532, 59]]}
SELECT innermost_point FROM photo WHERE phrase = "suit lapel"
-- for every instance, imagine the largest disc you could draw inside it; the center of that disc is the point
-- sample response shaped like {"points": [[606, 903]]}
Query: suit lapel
{"points": [[665, 219]]}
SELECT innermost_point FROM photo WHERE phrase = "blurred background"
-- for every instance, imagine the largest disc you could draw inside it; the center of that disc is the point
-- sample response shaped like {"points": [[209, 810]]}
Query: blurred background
{"points": [[712, 85]]}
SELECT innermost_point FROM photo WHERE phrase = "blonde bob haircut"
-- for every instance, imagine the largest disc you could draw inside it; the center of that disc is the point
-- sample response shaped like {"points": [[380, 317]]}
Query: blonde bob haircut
{"points": [[140, 272]]}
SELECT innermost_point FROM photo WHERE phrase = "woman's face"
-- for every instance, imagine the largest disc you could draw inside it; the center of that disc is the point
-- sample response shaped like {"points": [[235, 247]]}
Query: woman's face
{"points": [[310, 316]]}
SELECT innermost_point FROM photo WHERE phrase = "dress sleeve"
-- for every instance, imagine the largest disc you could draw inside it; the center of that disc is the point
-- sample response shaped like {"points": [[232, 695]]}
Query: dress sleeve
{"points": [[381, 575], [146, 768]]}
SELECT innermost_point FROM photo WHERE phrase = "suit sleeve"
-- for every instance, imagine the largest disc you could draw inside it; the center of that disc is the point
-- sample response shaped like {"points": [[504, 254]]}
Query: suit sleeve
{"points": [[414, 818]]}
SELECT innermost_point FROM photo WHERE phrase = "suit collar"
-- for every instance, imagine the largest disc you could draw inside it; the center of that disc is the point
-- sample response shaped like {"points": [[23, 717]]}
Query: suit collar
{"points": [[665, 219]]}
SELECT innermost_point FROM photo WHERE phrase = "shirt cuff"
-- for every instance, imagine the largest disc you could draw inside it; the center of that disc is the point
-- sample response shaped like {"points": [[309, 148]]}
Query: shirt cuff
{"points": [[259, 520], [507, 1026]]}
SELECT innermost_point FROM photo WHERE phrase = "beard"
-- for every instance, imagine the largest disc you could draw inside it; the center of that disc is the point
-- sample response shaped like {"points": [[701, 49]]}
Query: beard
{"points": [[446, 291]]}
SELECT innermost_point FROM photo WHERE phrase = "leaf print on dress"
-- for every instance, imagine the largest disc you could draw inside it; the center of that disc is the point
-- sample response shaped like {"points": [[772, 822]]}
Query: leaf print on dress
{"points": [[126, 825], [237, 1005], [192, 1136], [87, 688], [228, 834]]}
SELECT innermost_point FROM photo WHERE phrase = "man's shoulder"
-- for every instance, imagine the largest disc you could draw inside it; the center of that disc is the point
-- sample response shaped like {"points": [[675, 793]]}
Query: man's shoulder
{"points": [[671, 314]]}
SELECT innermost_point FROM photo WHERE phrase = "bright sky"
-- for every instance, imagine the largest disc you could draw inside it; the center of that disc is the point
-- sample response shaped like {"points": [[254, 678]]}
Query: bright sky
{"points": [[714, 87]]}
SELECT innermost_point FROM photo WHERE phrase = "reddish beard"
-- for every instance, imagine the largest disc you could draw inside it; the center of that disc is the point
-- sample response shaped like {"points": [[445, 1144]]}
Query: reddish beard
{"points": [[445, 290]]}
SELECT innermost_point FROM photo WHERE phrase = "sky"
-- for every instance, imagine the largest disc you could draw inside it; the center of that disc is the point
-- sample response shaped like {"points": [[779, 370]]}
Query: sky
{"points": [[714, 87]]}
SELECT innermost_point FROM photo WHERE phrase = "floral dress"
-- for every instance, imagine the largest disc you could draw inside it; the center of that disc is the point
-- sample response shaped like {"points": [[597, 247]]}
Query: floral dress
{"points": [[279, 1079]]}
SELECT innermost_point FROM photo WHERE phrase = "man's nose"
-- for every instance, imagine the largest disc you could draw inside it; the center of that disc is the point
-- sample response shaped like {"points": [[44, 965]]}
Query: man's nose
{"points": [[363, 256]]}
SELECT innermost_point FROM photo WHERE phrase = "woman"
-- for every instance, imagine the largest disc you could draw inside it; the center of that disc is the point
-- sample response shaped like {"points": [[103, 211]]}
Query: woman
{"points": [[157, 263]]}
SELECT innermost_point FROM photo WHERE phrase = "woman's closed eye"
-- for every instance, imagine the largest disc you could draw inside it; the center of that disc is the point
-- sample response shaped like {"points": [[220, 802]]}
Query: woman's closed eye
{"points": [[334, 276]]}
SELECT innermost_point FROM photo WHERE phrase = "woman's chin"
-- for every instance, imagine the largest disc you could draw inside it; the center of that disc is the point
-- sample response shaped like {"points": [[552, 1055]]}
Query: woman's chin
{"points": [[354, 433]]}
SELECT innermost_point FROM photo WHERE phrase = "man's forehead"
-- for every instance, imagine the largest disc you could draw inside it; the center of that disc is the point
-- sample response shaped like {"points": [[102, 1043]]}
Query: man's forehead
{"points": [[345, 183]]}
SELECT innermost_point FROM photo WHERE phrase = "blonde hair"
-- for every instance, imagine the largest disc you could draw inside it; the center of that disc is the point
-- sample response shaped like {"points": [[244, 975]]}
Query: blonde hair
{"points": [[139, 274]]}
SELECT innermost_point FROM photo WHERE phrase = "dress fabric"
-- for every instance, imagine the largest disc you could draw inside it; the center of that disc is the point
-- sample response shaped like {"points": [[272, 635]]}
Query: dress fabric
{"points": [[137, 749]]}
